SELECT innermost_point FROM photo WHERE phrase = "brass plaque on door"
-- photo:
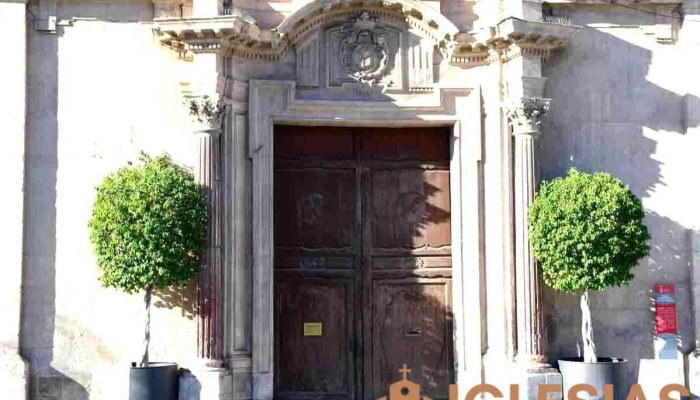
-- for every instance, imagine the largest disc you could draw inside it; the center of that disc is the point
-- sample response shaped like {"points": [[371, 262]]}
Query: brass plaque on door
{"points": [[313, 329]]}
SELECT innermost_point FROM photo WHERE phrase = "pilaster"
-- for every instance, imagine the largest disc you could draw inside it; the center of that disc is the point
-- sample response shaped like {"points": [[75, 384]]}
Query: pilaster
{"points": [[238, 225], [13, 24]]}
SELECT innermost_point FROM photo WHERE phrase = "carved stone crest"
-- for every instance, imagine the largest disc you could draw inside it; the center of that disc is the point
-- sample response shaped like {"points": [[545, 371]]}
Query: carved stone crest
{"points": [[364, 51]]}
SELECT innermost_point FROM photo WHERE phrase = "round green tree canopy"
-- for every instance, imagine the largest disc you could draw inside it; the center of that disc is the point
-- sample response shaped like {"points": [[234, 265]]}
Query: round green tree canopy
{"points": [[148, 226], [587, 232]]}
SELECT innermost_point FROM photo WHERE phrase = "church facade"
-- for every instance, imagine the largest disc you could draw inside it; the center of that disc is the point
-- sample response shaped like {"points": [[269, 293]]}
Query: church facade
{"points": [[369, 176]]}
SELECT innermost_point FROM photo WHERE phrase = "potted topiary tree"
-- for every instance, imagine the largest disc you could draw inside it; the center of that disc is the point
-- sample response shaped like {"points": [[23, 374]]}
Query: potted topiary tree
{"points": [[587, 233], [148, 226]]}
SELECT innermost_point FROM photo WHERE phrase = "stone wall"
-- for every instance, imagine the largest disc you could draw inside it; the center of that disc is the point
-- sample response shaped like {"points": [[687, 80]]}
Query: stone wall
{"points": [[100, 90], [618, 101]]}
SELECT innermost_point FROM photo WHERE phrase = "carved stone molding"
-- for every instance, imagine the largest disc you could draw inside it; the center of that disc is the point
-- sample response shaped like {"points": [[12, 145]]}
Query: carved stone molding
{"points": [[414, 13], [234, 93], [45, 15], [364, 51], [511, 39], [275, 102], [240, 37], [232, 36], [526, 115]]}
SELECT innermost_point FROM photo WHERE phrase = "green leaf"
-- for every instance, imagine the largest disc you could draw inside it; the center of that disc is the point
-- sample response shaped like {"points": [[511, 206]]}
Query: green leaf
{"points": [[148, 226], [587, 232]]}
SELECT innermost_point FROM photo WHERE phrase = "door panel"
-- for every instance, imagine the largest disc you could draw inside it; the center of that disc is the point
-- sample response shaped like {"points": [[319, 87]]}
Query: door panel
{"points": [[362, 246], [410, 209], [412, 326], [315, 208], [319, 364], [404, 144]]}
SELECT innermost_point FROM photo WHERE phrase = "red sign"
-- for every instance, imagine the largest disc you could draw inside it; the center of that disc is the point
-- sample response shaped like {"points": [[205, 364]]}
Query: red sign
{"points": [[664, 289], [666, 319]]}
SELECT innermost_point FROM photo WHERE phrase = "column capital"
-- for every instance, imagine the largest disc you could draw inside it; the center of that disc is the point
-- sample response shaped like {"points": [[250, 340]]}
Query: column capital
{"points": [[526, 115], [209, 111]]}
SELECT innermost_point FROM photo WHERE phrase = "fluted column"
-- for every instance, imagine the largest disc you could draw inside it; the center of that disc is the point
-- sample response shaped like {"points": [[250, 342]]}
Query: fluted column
{"points": [[525, 119], [209, 281]]}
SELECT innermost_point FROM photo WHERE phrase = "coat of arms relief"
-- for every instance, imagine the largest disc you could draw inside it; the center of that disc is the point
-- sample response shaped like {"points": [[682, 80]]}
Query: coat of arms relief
{"points": [[364, 52]]}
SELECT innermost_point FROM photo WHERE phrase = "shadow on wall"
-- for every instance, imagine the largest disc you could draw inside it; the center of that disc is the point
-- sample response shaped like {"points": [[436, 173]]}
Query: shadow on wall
{"points": [[184, 298], [43, 332], [611, 123], [38, 323], [623, 317]]}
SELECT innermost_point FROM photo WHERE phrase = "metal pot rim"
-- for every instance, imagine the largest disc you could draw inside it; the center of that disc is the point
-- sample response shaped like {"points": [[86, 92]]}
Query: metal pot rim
{"points": [[156, 364], [601, 360]]}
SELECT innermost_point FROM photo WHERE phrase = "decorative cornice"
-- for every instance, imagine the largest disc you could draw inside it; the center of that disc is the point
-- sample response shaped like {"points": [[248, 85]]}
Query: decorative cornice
{"points": [[510, 39], [231, 35], [526, 115], [238, 37]]}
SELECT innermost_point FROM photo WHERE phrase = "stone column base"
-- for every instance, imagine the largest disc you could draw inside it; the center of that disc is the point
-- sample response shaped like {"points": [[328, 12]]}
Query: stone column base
{"points": [[14, 376], [694, 374], [206, 384], [242, 378], [262, 386], [532, 378]]}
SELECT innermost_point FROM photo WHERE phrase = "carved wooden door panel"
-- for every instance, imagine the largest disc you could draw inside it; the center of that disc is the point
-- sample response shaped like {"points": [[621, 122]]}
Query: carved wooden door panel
{"points": [[362, 261], [406, 259], [317, 258]]}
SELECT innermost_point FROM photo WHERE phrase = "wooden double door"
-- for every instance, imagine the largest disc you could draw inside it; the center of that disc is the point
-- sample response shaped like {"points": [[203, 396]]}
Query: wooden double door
{"points": [[362, 261]]}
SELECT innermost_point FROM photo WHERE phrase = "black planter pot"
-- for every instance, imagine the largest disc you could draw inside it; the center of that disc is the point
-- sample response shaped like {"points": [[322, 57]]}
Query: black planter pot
{"points": [[158, 381], [611, 371]]}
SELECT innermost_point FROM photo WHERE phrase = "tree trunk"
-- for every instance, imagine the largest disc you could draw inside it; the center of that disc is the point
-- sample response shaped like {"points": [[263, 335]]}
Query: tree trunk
{"points": [[147, 332], [589, 354]]}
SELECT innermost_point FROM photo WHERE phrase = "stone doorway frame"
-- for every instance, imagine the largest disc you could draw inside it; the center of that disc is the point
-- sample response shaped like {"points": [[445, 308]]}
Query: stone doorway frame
{"points": [[275, 102]]}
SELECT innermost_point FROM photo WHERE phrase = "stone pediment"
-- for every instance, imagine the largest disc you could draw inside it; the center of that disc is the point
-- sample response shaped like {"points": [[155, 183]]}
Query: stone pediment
{"points": [[414, 13]]}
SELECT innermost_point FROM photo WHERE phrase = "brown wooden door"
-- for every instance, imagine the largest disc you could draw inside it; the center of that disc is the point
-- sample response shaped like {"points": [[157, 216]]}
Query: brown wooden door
{"points": [[362, 250]]}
